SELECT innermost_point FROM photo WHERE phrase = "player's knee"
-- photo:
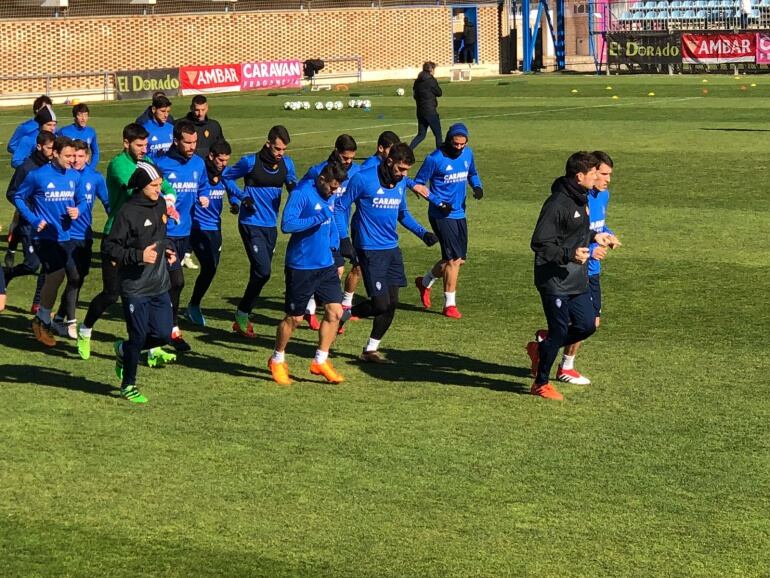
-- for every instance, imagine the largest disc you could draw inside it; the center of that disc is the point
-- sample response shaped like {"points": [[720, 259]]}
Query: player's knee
{"points": [[293, 321], [332, 312]]}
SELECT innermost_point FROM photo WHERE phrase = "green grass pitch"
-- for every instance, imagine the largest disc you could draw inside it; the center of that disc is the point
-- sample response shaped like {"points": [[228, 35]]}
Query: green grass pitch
{"points": [[440, 465]]}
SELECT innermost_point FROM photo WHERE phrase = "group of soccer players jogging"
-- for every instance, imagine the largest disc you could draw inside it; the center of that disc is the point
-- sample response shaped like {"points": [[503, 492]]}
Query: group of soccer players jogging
{"points": [[164, 195]]}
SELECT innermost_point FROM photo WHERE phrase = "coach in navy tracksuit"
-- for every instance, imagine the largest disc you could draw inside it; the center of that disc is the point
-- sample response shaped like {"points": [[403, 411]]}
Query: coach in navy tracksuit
{"points": [[560, 243]]}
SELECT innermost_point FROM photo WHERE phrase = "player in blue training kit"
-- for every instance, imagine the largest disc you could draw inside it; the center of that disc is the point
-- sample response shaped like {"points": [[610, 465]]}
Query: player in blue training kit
{"points": [[79, 130], [344, 153], [379, 194], [161, 130], [28, 127], [186, 173], [598, 199], [206, 233], [448, 170], [264, 175], [46, 120], [80, 246], [50, 198], [386, 140], [311, 269]]}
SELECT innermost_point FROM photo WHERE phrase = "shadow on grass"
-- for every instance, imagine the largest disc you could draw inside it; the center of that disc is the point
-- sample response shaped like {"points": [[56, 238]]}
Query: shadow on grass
{"points": [[55, 378], [738, 129]]}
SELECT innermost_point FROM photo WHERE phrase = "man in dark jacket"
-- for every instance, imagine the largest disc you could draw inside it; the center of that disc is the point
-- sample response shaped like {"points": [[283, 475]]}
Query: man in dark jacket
{"points": [[209, 131], [138, 244], [560, 242], [426, 92]]}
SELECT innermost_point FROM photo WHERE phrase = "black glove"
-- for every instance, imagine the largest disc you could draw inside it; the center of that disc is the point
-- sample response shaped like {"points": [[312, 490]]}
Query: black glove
{"points": [[234, 208], [429, 239], [247, 203], [478, 193], [445, 208], [346, 248]]}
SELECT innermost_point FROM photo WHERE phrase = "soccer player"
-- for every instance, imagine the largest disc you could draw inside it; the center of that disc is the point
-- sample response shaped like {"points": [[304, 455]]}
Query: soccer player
{"points": [[561, 245], [447, 170], [147, 112], [137, 243], [80, 246], [311, 270], [598, 199], [426, 92], [386, 140], [206, 232], [160, 129], [209, 130], [186, 173], [50, 198], [79, 130], [264, 175], [344, 153], [119, 172], [28, 127], [380, 197], [46, 120]]}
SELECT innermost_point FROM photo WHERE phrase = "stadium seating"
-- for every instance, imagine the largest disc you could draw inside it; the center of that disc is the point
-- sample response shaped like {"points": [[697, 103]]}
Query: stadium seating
{"points": [[692, 14]]}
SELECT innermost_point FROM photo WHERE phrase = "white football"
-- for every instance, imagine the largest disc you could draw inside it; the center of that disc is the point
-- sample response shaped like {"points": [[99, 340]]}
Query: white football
{"points": [[367, 103], [319, 105], [338, 105], [306, 105], [329, 105], [286, 105], [400, 91], [352, 103], [359, 103]]}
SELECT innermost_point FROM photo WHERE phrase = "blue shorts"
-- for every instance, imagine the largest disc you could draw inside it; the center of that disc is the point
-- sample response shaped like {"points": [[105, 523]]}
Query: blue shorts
{"points": [[2, 282], [259, 243], [180, 246], [595, 290], [381, 269], [52, 255], [207, 246], [452, 236], [79, 253], [302, 284], [339, 260]]}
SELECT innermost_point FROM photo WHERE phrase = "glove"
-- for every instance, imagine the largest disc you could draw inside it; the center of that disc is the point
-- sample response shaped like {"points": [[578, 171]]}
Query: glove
{"points": [[445, 208], [429, 239], [247, 203], [478, 193], [234, 208], [172, 213], [346, 248]]}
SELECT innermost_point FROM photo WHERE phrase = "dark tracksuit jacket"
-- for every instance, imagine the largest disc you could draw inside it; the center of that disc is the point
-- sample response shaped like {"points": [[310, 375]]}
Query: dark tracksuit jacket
{"points": [[139, 223], [562, 227], [426, 92], [209, 131]]}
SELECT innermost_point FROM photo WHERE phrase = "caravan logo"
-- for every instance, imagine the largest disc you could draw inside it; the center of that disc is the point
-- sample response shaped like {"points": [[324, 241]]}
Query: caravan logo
{"points": [[265, 74]]}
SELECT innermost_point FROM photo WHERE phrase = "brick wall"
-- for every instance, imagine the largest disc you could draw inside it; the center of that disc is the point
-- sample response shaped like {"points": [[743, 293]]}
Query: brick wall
{"points": [[385, 38]]}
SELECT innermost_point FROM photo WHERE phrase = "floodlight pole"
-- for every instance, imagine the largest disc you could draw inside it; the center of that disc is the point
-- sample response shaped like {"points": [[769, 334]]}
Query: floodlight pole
{"points": [[531, 30]]}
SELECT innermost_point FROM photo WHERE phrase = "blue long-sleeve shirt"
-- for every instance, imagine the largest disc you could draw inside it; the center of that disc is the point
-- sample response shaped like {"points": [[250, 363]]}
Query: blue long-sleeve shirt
{"points": [[161, 137], [44, 195], [378, 211], [210, 218], [26, 128], [190, 181], [87, 134], [309, 218], [447, 180], [597, 212], [375, 161], [24, 148], [312, 175], [94, 187], [263, 185]]}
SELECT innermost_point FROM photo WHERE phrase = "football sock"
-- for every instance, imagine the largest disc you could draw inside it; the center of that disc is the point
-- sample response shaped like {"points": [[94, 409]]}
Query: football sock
{"points": [[44, 315], [278, 356], [310, 307], [373, 344], [85, 331], [567, 362], [449, 299], [347, 299], [428, 279], [321, 356]]}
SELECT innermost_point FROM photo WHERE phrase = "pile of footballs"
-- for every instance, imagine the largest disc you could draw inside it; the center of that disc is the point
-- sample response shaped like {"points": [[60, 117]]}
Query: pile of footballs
{"points": [[328, 105]]}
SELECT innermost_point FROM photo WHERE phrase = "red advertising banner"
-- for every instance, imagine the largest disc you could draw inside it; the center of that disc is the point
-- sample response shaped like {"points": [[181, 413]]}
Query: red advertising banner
{"points": [[217, 78], [718, 48], [763, 48], [264, 74]]}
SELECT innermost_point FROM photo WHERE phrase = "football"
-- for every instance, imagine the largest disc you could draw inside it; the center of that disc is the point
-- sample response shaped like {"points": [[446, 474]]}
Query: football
{"points": [[400, 92]]}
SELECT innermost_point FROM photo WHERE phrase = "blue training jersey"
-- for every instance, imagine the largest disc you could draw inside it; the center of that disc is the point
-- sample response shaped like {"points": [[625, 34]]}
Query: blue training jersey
{"points": [[26, 128], [309, 218], [372, 161], [597, 212], [313, 173], [44, 195], [86, 134], [447, 179], [93, 187], [161, 137], [25, 148], [210, 218], [190, 181], [263, 186], [378, 211]]}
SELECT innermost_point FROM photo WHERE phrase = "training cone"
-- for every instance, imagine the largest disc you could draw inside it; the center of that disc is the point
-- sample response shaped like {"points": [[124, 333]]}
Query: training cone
{"points": [[608, 88], [705, 80], [753, 84], [574, 91], [650, 94], [705, 91], [615, 97]]}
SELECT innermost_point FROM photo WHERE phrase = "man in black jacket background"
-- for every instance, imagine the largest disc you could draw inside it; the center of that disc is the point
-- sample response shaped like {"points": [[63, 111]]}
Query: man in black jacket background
{"points": [[560, 243], [426, 92]]}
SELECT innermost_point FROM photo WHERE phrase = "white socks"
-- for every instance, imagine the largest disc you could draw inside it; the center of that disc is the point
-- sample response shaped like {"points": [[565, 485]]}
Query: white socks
{"points": [[278, 356], [310, 307], [321, 356], [567, 361], [347, 299], [85, 331], [449, 299], [372, 345], [428, 279]]}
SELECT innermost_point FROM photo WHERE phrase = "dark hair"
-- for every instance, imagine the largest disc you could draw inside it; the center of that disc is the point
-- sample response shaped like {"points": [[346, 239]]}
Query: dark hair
{"points": [[183, 127], [279, 132], [345, 142], [428, 66], [80, 145], [40, 102], [334, 172], [388, 139], [60, 142], [158, 93], [78, 108], [45, 137], [580, 162], [604, 158], [401, 152], [198, 99], [134, 131], [221, 147], [160, 101]]}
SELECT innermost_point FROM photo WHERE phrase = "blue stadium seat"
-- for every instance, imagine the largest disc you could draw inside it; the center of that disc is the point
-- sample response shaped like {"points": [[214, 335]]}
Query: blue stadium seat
{"points": [[637, 6], [662, 5], [712, 4], [625, 16], [686, 4], [754, 14], [638, 15], [662, 15], [675, 4], [675, 15], [700, 4], [650, 5], [701, 15], [689, 15], [765, 3]]}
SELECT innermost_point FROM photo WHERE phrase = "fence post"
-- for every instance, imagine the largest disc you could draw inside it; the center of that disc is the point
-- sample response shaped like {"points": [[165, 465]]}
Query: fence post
{"points": [[48, 86]]}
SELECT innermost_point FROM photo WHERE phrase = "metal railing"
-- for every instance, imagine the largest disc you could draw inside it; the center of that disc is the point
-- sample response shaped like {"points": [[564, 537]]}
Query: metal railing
{"points": [[48, 84]]}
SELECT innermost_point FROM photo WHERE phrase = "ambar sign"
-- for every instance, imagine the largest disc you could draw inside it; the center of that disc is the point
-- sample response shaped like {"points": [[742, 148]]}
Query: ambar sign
{"points": [[644, 49], [142, 83]]}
